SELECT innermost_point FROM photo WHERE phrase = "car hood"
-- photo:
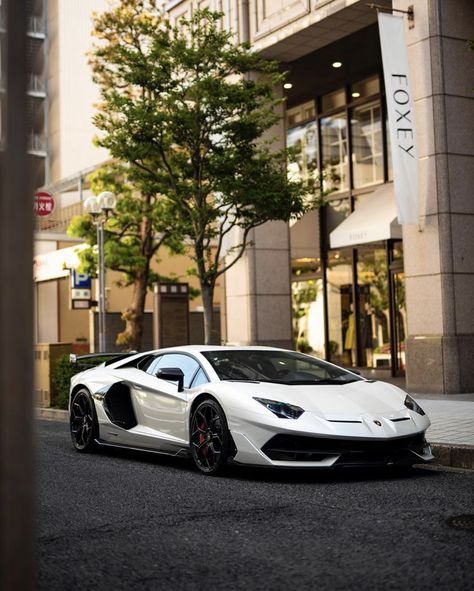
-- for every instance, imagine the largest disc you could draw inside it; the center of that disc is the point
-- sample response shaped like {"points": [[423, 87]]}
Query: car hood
{"points": [[331, 402]]}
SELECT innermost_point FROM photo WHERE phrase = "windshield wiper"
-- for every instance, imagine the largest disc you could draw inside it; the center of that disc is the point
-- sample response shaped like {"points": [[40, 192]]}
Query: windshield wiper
{"points": [[240, 380]]}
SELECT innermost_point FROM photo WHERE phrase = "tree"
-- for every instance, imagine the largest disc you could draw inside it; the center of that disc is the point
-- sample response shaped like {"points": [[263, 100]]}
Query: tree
{"points": [[188, 108], [133, 235]]}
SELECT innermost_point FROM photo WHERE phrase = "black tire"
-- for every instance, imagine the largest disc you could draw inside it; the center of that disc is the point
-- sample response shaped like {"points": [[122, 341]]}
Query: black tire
{"points": [[209, 437], [83, 422]]}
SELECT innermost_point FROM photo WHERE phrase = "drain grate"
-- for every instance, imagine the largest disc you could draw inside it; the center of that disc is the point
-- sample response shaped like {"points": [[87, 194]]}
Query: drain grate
{"points": [[461, 521]]}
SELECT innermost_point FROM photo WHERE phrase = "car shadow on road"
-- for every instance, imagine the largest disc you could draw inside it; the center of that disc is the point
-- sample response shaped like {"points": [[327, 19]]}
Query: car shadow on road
{"points": [[276, 475], [331, 475]]}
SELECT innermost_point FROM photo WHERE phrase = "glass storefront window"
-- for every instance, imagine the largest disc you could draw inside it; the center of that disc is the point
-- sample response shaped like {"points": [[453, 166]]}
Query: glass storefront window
{"points": [[365, 88], [367, 145], [334, 152], [308, 305], [341, 320], [399, 304], [374, 308], [303, 142], [308, 315], [334, 100], [301, 114]]}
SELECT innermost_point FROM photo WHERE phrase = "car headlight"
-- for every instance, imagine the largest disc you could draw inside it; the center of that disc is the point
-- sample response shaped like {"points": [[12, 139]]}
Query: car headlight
{"points": [[281, 409], [413, 405]]}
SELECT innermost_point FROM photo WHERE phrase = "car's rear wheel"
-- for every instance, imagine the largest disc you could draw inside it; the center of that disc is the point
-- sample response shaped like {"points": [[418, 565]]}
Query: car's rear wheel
{"points": [[83, 422], [209, 437]]}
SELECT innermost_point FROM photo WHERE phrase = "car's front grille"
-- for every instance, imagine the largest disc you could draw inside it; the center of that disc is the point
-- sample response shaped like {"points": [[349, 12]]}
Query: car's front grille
{"points": [[310, 449]]}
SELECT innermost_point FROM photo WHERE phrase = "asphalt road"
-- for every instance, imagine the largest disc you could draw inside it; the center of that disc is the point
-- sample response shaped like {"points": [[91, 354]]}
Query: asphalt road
{"points": [[124, 520]]}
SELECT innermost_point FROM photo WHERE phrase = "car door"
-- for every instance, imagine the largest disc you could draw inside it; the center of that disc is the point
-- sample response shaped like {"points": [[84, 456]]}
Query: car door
{"points": [[159, 405]]}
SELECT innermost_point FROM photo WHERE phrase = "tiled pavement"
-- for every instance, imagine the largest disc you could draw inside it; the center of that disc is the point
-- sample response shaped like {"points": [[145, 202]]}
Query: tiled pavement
{"points": [[451, 421]]}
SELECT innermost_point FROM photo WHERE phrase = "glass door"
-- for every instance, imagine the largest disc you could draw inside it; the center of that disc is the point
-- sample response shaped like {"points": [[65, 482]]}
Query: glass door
{"points": [[399, 317], [374, 307]]}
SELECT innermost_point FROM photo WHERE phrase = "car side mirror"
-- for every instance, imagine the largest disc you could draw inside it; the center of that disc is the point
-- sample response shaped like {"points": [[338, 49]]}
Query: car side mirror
{"points": [[172, 374]]}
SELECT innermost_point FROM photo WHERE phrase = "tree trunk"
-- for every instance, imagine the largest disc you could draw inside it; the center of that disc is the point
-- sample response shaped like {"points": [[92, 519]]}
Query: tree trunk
{"points": [[207, 292], [131, 337]]}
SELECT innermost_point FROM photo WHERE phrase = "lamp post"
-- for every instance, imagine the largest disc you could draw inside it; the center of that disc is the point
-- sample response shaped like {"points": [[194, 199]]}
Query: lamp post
{"points": [[100, 207]]}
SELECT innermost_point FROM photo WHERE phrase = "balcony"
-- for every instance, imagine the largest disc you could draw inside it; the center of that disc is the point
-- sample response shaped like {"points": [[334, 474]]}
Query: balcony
{"points": [[58, 222], [37, 145], [36, 27], [36, 86]]}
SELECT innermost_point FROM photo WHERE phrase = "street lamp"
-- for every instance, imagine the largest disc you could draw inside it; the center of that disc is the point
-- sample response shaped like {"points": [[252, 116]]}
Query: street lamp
{"points": [[100, 207]]}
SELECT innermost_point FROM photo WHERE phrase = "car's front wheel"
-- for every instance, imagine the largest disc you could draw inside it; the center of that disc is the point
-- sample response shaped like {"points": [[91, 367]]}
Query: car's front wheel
{"points": [[83, 422], [209, 437]]}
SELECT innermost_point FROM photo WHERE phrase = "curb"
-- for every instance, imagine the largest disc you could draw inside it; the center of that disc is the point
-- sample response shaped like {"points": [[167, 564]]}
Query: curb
{"points": [[52, 414], [454, 455], [446, 454]]}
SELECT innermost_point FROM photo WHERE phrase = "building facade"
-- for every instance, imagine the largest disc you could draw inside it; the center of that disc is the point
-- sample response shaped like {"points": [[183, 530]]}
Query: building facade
{"points": [[365, 291], [346, 282]]}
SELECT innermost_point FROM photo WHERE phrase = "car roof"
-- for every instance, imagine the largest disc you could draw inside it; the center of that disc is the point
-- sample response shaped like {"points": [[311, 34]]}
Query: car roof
{"points": [[204, 348]]}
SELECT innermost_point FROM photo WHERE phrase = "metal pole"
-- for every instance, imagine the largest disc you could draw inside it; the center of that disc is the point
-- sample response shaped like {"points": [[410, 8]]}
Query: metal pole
{"points": [[100, 242]]}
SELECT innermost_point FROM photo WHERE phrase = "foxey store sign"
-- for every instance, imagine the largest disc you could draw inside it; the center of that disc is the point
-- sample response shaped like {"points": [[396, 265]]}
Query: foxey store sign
{"points": [[401, 117]]}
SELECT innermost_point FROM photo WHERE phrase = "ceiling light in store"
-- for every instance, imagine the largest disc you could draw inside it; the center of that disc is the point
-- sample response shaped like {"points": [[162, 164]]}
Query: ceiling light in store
{"points": [[337, 256], [288, 85], [355, 94], [336, 64]]}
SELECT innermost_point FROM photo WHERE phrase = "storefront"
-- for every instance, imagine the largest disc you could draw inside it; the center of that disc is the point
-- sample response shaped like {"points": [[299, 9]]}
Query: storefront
{"points": [[347, 257]]}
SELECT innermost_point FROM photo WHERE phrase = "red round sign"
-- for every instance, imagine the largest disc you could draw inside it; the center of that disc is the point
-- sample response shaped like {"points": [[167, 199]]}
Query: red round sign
{"points": [[44, 203]]}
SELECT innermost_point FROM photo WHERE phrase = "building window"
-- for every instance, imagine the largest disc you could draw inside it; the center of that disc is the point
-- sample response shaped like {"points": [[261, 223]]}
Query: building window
{"points": [[374, 313], [334, 152], [367, 145], [365, 88], [333, 100], [302, 140], [341, 318]]}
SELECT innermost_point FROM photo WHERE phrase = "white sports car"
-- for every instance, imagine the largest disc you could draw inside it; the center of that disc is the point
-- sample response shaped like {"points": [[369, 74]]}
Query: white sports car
{"points": [[258, 406]]}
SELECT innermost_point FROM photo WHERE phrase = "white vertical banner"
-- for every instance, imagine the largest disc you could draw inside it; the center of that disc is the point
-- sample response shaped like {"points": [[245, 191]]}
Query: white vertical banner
{"points": [[401, 117]]}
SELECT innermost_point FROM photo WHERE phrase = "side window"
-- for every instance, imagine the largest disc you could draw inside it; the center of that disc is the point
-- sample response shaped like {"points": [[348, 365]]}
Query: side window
{"points": [[146, 362], [153, 366], [199, 379], [187, 364]]}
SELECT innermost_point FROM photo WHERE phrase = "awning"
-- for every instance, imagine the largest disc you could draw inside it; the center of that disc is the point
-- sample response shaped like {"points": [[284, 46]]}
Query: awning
{"points": [[375, 219], [56, 263]]}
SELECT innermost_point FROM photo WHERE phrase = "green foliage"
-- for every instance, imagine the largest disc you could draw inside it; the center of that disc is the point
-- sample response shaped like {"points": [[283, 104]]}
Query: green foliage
{"points": [[61, 379], [303, 346], [186, 110], [140, 225]]}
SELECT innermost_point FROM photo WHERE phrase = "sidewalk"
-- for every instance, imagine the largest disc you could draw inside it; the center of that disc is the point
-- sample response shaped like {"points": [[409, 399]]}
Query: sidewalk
{"points": [[451, 434], [452, 428]]}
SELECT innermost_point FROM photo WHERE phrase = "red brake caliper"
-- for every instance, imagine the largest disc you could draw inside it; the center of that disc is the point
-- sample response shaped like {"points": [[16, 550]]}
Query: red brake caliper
{"points": [[202, 439]]}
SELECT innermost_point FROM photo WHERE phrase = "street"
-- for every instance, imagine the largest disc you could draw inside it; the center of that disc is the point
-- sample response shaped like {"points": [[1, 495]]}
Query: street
{"points": [[127, 520]]}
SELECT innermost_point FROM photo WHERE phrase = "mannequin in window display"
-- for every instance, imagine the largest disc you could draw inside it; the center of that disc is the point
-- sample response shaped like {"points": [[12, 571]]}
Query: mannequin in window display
{"points": [[350, 341], [368, 334]]}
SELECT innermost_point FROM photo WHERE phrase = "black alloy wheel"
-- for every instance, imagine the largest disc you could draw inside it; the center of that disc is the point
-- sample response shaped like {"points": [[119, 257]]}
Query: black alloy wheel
{"points": [[209, 437], [83, 422]]}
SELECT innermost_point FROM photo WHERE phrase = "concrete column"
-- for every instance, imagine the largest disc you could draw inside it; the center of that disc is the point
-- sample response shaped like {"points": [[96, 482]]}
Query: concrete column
{"points": [[258, 291], [439, 255]]}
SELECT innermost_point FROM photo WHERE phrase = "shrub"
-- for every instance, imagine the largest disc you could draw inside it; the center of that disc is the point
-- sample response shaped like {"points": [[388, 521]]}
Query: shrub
{"points": [[60, 382]]}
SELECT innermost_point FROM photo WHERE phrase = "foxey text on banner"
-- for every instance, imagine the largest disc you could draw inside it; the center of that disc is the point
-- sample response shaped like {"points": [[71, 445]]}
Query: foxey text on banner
{"points": [[401, 117]]}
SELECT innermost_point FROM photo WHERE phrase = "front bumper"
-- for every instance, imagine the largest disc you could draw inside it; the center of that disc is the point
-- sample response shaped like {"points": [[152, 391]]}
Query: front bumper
{"points": [[307, 451], [299, 450]]}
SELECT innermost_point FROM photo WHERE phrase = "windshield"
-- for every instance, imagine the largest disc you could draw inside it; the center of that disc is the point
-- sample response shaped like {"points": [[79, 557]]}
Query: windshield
{"points": [[283, 367]]}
